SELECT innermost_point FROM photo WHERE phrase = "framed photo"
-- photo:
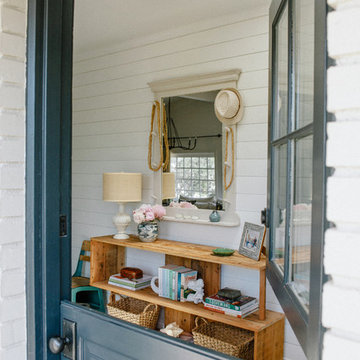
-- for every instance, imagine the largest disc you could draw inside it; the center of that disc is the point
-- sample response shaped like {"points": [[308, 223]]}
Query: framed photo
{"points": [[252, 240]]}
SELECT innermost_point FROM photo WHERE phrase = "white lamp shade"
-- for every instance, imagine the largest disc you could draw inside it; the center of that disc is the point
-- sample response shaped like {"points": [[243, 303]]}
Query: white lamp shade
{"points": [[122, 187], [168, 185]]}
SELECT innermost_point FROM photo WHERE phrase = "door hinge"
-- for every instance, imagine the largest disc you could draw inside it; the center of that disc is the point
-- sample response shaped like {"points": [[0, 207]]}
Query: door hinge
{"points": [[265, 217], [63, 225]]}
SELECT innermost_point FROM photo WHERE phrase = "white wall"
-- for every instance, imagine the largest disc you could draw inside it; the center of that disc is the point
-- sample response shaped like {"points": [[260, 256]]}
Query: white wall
{"points": [[341, 296], [112, 107], [12, 196]]}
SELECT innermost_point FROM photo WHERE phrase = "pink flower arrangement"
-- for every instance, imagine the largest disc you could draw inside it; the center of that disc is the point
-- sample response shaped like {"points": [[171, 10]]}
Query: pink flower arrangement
{"points": [[148, 213], [182, 205]]}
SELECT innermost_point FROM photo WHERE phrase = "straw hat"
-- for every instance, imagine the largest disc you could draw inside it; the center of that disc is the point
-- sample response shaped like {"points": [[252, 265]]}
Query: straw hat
{"points": [[228, 106]]}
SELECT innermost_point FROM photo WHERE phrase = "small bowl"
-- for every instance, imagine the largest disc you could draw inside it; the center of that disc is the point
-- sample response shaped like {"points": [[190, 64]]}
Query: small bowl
{"points": [[223, 252]]}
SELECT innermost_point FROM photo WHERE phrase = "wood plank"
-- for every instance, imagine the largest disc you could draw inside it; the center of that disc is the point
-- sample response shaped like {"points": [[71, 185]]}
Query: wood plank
{"points": [[192, 251], [105, 260], [247, 27], [269, 342], [86, 245], [251, 322], [262, 295], [85, 258]]}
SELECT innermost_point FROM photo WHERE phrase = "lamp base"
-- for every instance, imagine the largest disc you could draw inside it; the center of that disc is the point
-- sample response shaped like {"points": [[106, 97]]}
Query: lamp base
{"points": [[120, 236], [121, 221]]}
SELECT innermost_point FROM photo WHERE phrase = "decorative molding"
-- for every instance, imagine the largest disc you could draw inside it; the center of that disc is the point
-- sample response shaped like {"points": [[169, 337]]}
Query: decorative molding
{"points": [[195, 83]]}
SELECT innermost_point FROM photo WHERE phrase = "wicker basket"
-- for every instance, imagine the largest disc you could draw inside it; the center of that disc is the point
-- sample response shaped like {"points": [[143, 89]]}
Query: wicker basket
{"points": [[224, 338], [135, 311]]}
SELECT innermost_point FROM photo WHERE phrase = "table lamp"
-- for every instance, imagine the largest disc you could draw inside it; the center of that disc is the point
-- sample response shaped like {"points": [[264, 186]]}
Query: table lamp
{"points": [[122, 188], [168, 185]]}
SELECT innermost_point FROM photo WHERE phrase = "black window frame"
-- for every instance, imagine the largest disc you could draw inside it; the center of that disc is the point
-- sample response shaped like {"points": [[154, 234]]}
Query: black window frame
{"points": [[307, 327]]}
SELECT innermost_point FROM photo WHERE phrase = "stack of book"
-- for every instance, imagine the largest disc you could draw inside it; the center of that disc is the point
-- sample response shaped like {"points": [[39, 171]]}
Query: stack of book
{"points": [[173, 280], [240, 307], [134, 284]]}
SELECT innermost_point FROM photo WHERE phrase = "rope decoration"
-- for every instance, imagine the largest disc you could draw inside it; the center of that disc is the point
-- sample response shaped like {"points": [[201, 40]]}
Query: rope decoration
{"points": [[226, 164], [166, 141], [163, 134], [155, 109]]}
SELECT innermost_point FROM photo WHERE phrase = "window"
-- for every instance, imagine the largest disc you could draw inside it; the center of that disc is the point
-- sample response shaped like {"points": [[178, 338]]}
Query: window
{"points": [[297, 171], [194, 174]]}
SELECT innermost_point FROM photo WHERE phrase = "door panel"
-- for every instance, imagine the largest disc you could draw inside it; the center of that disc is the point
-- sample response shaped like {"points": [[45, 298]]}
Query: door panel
{"points": [[102, 337]]}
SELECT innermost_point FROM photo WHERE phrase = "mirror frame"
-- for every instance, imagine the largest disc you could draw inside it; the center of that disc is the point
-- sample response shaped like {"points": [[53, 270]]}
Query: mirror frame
{"points": [[191, 85]]}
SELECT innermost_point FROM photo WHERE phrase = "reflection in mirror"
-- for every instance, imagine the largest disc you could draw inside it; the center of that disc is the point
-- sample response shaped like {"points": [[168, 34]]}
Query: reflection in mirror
{"points": [[195, 143]]}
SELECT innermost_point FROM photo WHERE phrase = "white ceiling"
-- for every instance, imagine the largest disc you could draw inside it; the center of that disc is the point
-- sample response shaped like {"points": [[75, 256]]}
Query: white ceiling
{"points": [[103, 23]]}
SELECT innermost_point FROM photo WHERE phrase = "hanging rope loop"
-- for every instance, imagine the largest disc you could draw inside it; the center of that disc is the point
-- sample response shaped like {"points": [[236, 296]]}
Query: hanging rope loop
{"points": [[155, 109], [166, 141], [162, 136], [226, 163]]}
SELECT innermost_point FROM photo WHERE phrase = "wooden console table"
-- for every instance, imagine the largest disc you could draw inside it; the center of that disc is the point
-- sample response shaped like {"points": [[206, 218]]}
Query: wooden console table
{"points": [[108, 257]]}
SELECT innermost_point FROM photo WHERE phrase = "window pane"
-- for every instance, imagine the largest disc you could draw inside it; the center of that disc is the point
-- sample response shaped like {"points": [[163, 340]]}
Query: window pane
{"points": [[179, 173], [195, 162], [281, 75], [301, 219], [211, 174], [211, 187], [304, 62], [203, 174], [203, 162], [279, 205], [187, 162], [187, 173], [211, 162], [180, 162], [195, 173]]}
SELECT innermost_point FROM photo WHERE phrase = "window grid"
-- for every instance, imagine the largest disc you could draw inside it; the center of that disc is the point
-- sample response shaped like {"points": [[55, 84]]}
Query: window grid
{"points": [[194, 175]]}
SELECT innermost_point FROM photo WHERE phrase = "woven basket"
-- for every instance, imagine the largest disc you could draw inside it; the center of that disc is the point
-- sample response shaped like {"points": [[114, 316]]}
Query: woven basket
{"points": [[135, 311], [224, 338]]}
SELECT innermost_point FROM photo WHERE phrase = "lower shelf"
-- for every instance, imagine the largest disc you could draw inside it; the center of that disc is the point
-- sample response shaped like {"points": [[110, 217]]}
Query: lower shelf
{"points": [[251, 322]]}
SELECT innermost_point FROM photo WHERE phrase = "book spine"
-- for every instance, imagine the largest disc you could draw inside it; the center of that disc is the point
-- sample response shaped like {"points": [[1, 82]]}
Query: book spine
{"points": [[182, 283], [179, 287], [128, 287], [174, 285], [223, 311], [226, 305], [221, 303], [240, 314], [167, 283], [171, 287]]}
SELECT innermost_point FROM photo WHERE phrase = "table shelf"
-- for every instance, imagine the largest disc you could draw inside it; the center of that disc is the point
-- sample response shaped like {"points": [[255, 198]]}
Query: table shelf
{"points": [[108, 257], [192, 251], [251, 322]]}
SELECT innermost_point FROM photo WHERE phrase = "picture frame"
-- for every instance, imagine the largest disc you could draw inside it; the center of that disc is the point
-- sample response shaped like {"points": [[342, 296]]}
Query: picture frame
{"points": [[252, 240]]}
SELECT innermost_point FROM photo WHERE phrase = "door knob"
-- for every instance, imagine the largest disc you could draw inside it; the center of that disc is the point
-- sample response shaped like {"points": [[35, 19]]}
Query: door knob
{"points": [[57, 344]]}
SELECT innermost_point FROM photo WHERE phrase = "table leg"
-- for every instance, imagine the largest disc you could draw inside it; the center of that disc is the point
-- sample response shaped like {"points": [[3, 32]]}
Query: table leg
{"points": [[262, 295]]}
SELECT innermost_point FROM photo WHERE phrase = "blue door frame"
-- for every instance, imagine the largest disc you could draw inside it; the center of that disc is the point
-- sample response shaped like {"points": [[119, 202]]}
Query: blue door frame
{"points": [[48, 168], [48, 196]]}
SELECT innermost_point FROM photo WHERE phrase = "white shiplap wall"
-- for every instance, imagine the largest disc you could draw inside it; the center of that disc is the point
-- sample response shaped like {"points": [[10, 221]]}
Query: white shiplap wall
{"points": [[112, 106]]}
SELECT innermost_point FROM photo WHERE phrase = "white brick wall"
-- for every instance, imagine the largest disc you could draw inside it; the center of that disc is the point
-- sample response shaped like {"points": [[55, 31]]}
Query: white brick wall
{"points": [[12, 156], [341, 298]]}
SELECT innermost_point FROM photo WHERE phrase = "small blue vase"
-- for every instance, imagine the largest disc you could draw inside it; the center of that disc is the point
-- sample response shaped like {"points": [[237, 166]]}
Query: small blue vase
{"points": [[148, 231], [214, 216]]}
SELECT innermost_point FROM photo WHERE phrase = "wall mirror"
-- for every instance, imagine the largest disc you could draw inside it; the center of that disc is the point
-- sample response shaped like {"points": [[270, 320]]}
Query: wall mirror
{"points": [[197, 147], [196, 150]]}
